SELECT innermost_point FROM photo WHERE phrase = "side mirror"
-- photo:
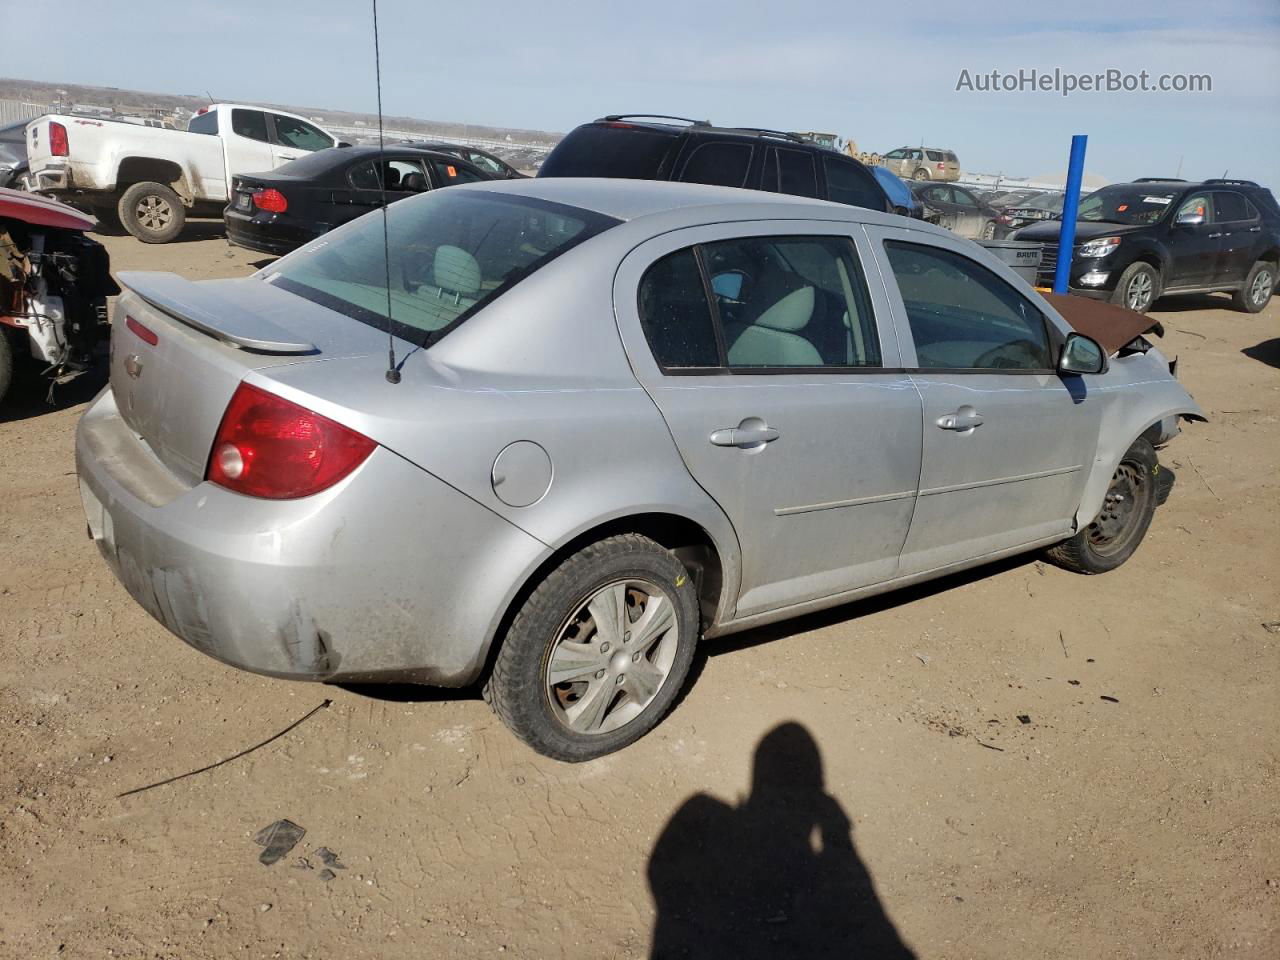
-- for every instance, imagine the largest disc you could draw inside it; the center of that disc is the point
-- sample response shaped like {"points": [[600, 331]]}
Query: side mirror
{"points": [[1081, 354], [1190, 219], [342, 143]]}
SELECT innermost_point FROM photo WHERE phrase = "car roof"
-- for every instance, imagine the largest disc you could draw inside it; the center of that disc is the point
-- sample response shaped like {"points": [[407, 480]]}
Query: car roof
{"points": [[704, 128], [636, 199]]}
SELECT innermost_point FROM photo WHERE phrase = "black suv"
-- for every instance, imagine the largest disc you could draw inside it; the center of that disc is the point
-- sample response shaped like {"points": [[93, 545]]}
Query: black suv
{"points": [[1136, 242], [644, 147]]}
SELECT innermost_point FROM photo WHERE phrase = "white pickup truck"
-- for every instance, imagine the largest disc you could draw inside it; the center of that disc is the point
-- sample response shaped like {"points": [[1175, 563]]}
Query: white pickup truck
{"points": [[151, 178]]}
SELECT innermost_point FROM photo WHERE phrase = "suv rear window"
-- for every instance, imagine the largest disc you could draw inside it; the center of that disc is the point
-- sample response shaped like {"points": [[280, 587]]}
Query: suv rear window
{"points": [[452, 252], [794, 172], [609, 150], [722, 164]]}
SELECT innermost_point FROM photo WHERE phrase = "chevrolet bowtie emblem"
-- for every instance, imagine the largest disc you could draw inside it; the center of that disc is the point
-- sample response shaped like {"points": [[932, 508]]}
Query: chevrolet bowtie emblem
{"points": [[133, 366]]}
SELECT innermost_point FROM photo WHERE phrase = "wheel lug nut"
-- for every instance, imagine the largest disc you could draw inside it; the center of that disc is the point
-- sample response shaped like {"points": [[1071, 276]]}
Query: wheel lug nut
{"points": [[636, 658], [599, 674], [621, 677], [626, 638], [604, 647]]}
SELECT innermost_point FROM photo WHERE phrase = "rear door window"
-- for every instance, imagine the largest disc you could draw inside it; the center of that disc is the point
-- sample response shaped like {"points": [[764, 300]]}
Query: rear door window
{"points": [[610, 150], [723, 164], [848, 183], [793, 172], [448, 173], [676, 315], [250, 124]]}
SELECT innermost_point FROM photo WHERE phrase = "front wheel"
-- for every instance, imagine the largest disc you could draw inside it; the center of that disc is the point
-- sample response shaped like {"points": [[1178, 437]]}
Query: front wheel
{"points": [[152, 212], [597, 654], [1138, 287], [1257, 289], [1126, 513]]}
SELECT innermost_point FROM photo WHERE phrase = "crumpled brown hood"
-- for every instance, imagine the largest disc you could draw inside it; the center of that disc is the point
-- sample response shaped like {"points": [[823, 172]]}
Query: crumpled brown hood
{"points": [[1111, 325]]}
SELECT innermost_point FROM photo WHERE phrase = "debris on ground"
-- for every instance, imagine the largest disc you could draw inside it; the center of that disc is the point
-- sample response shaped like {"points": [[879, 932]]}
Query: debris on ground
{"points": [[1024, 718], [1108, 699], [1271, 626], [277, 839], [330, 859]]}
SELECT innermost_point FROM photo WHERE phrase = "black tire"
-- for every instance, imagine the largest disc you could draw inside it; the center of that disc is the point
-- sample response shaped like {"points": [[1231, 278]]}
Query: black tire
{"points": [[1257, 289], [152, 212], [921, 174], [6, 363], [519, 690], [989, 230], [1143, 282], [1115, 533]]}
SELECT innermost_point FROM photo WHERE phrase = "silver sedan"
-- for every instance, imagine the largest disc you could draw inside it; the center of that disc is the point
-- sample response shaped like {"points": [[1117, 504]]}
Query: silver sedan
{"points": [[570, 427]]}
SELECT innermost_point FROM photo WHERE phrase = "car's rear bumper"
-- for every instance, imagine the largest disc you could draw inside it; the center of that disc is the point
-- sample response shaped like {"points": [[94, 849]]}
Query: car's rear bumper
{"points": [[389, 575], [265, 236]]}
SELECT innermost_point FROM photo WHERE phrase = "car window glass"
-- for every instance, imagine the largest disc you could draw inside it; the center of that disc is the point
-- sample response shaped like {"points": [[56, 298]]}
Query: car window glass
{"points": [[487, 163], [615, 149], [792, 302], [848, 183], [796, 173], [1196, 205], [722, 164], [292, 132], [895, 154], [405, 176], [962, 316], [204, 123], [963, 197], [448, 173], [250, 123], [1229, 206], [938, 194], [933, 155], [914, 155], [675, 313]]}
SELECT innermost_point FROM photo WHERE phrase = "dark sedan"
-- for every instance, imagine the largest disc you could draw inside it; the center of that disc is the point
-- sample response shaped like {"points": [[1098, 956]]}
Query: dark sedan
{"points": [[279, 211], [490, 163], [959, 210]]}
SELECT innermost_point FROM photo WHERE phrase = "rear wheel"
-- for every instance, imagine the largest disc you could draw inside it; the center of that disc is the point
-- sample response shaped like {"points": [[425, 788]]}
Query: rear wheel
{"points": [[1257, 289], [920, 174], [152, 212], [1126, 513], [1138, 287], [597, 654]]}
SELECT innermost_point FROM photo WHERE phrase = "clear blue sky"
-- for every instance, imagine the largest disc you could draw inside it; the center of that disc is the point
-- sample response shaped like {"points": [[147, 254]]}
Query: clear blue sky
{"points": [[884, 74]]}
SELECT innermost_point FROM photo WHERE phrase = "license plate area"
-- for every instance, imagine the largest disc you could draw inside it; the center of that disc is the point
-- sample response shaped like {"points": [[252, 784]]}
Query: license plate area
{"points": [[244, 202]]}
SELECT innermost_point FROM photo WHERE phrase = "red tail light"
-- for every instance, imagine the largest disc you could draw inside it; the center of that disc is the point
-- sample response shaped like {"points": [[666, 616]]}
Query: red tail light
{"points": [[271, 448], [271, 200], [58, 139], [145, 334]]}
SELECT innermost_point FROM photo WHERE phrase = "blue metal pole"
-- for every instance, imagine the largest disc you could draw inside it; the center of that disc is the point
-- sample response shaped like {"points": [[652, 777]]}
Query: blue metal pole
{"points": [[1070, 203]]}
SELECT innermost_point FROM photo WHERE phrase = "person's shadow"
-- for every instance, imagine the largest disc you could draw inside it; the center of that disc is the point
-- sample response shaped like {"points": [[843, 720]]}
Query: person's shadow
{"points": [[776, 876]]}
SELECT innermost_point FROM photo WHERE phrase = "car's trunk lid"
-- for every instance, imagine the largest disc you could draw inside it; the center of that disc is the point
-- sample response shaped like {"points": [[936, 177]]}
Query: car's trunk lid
{"points": [[176, 365]]}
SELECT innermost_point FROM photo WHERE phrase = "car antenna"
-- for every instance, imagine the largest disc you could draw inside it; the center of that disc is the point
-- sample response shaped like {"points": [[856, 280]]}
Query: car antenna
{"points": [[393, 375]]}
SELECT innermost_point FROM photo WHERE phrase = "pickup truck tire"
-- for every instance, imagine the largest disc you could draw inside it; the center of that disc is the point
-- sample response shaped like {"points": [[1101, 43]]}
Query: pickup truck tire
{"points": [[1257, 289], [152, 212], [1122, 522], [6, 362]]}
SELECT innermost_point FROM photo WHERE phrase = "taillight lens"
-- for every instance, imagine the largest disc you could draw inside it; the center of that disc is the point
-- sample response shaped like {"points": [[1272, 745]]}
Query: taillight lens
{"points": [[271, 200], [58, 139], [269, 447]]}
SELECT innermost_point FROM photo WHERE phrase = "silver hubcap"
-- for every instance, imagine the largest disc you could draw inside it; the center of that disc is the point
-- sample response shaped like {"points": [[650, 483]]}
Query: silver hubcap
{"points": [[154, 213], [1261, 288], [612, 656], [1139, 293]]}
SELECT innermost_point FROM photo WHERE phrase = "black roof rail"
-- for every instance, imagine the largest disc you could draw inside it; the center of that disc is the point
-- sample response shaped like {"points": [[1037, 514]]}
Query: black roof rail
{"points": [[654, 116], [1159, 180], [1232, 183], [766, 132]]}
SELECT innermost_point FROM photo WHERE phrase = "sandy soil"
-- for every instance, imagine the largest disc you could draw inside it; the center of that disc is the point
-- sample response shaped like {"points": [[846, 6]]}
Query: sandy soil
{"points": [[1147, 825]]}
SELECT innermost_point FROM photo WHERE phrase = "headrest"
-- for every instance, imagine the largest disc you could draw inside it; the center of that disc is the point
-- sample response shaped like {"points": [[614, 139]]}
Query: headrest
{"points": [[413, 183], [791, 313], [457, 271]]}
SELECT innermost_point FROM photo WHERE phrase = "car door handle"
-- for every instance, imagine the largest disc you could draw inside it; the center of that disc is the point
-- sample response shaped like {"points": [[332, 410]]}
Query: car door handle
{"points": [[750, 433], [960, 420], [1255, 229], [1215, 236]]}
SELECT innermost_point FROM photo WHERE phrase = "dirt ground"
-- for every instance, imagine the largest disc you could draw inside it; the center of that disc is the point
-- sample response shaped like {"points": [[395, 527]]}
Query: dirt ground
{"points": [[1032, 764]]}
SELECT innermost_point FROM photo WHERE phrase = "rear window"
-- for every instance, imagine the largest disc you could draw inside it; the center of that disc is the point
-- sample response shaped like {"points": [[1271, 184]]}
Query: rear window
{"points": [[204, 123], [950, 157], [849, 183], [451, 253], [722, 164], [607, 150]]}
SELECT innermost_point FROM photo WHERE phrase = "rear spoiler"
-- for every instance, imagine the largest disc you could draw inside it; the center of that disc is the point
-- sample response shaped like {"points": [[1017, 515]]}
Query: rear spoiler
{"points": [[200, 307]]}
